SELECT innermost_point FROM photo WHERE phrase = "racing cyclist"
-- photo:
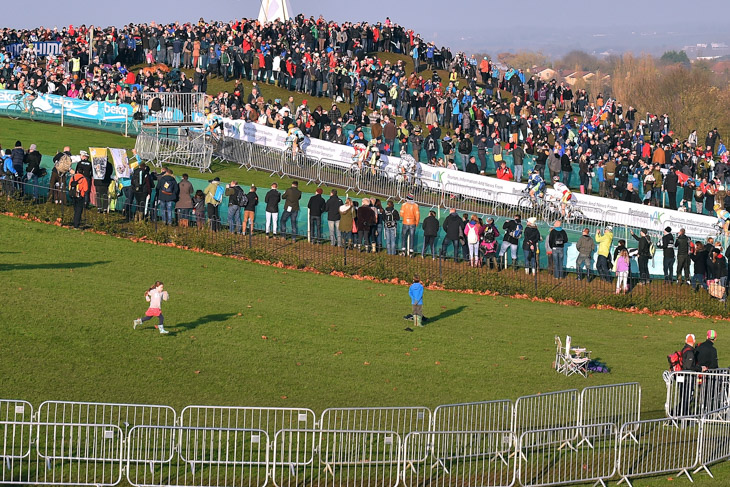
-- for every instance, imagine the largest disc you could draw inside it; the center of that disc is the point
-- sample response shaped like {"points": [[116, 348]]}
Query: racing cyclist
{"points": [[535, 185], [294, 139], [562, 193]]}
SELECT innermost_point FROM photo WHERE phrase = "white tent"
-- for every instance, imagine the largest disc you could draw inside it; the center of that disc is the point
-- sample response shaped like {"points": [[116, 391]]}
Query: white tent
{"points": [[272, 10]]}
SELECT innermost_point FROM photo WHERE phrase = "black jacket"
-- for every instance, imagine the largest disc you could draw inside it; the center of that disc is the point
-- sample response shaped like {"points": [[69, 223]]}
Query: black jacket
{"points": [[272, 199], [707, 355], [644, 244], [253, 200], [83, 167], [681, 243], [532, 237], [509, 227], [452, 226], [316, 205], [668, 245], [689, 361], [332, 207], [33, 161], [557, 239], [700, 261], [430, 226]]}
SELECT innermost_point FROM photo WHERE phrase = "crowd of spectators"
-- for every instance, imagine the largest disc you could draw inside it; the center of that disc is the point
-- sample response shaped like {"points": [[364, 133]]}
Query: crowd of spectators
{"points": [[463, 122]]}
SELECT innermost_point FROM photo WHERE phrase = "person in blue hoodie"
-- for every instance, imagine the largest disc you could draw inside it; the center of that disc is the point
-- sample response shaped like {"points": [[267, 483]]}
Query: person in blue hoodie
{"points": [[416, 294], [8, 173]]}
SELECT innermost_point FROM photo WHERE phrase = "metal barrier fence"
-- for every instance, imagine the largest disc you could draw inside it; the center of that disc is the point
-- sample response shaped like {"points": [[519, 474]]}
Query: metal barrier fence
{"points": [[658, 446], [269, 420], [695, 393], [546, 412], [548, 463], [345, 457], [460, 458], [715, 439], [175, 108], [74, 454], [488, 443], [614, 404], [197, 457], [161, 145]]}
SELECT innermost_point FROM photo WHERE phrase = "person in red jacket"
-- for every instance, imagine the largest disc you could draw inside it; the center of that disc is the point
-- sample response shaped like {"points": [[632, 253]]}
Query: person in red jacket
{"points": [[503, 172]]}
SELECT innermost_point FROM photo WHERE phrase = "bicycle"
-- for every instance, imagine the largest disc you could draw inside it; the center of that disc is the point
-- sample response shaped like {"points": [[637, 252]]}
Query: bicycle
{"points": [[20, 105]]}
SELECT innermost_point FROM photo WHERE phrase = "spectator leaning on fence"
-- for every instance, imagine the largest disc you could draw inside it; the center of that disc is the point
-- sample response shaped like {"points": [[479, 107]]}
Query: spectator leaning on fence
{"points": [[604, 240], [411, 216]]}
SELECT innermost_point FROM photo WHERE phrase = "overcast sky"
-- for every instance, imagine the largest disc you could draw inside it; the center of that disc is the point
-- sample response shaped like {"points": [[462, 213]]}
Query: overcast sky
{"points": [[474, 24]]}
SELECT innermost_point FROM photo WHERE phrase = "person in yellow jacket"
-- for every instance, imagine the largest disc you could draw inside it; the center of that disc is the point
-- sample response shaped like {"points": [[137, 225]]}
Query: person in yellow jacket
{"points": [[604, 240], [411, 217]]}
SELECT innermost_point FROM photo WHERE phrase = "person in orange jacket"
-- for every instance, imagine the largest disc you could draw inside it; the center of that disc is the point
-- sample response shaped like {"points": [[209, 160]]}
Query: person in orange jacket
{"points": [[410, 216], [78, 186]]}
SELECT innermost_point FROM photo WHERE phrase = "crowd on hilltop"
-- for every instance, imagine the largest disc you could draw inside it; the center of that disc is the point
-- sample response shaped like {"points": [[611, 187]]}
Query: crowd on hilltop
{"points": [[591, 143]]}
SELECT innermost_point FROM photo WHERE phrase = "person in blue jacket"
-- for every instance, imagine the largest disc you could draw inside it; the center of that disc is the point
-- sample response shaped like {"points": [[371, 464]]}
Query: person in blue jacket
{"points": [[416, 294]]}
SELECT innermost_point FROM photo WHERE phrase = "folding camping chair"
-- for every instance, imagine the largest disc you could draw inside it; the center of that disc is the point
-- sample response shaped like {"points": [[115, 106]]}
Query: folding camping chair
{"points": [[560, 362], [578, 363]]}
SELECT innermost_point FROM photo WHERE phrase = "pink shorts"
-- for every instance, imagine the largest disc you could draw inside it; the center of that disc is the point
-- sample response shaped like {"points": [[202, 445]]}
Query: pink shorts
{"points": [[153, 312]]}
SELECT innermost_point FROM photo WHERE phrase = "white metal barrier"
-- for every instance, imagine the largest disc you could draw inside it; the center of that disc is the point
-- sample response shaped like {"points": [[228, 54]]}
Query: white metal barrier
{"points": [[16, 425], [300, 166], [658, 446], [175, 108], [161, 456], [270, 420], [546, 463], [694, 393], [715, 439], [614, 404], [75, 454], [350, 457], [484, 416], [124, 416], [401, 420], [267, 159], [335, 174], [468, 458], [545, 412]]}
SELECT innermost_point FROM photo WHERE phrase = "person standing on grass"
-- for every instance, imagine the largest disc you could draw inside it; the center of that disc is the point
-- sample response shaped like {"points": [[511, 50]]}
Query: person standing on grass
{"points": [[707, 359], [78, 188], [623, 267], [237, 200], [558, 238], [213, 198], [249, 213], [184, 204], [154, 295], [416, 294], [316, 207], [272, 199], [332, 207], [291, 209]]}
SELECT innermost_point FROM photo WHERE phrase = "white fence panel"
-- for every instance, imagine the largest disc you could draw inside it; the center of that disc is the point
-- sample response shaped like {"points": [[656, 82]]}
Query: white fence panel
{"points": [[551, 464], [658, 446], [270, 420], [695, 393], [16, 428], [466, 458], [208, 457], [346, 457], [614, 404], [542, 412], [715, 442]]}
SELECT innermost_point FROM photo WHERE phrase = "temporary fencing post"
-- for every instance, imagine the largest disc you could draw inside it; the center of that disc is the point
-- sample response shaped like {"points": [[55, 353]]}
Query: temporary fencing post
{"points": [[715, 439]]}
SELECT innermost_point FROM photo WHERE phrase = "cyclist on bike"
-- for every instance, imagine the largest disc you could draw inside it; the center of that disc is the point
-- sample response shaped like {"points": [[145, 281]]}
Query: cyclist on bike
{"points": [[372, 155], [535, 185], [407, 168], [28, 97], [564, 195], [360, 153], [213, 122], [294, 139], [723, 218]]}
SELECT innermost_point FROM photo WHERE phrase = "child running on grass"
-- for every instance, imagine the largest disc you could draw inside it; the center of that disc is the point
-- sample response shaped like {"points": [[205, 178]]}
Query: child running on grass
{"points": [[154, 295]]}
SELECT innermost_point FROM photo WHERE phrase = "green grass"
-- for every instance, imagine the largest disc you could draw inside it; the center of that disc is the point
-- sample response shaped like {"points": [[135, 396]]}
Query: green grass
{"points": [[70, 298]]}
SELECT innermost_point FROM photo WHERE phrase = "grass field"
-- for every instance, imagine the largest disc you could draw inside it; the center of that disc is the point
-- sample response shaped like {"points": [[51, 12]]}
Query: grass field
{"points": [[70, 299]]}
